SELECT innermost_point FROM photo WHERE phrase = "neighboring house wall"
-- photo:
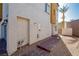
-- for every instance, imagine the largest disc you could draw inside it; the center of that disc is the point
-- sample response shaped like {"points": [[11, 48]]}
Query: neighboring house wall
{"points": [[4, 16], [67, 25], [5, 10], [38, 19], [0, 9], [0, 30], [54, 9], [54, 18], [75, 27], [0, 17]]}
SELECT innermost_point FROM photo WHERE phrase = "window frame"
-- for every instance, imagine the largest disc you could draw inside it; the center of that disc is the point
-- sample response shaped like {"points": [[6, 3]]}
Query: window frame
{"points": [[47, 8]]}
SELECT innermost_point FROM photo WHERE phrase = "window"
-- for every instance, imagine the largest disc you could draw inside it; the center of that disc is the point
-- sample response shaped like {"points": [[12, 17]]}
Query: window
{"points": [[47, 8]]}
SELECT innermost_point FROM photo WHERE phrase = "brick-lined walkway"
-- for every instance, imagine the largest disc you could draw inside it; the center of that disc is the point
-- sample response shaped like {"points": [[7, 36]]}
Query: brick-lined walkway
{"points": [[58, 49]]}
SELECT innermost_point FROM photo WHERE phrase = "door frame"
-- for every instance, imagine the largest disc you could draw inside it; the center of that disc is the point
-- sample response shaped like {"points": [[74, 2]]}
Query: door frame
{"points": [[20, 17]]}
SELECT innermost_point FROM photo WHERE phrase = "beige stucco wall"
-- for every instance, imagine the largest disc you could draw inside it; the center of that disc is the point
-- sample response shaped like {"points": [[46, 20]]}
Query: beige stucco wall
{"points": [[75, 27], [54, 18], [54, 11], [0, 17], [37, 16], [0, 9]]}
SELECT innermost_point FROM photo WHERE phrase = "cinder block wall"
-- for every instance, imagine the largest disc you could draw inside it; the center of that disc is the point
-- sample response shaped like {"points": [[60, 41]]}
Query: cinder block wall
{"points": [[75, 27]]}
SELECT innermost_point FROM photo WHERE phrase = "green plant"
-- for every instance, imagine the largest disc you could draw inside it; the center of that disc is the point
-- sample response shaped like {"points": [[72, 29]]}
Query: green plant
{"points": [[63, 10]]}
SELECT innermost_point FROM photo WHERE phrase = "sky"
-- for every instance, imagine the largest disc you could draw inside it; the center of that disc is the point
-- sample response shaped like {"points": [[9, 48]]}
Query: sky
{"points": [[71, 14]]}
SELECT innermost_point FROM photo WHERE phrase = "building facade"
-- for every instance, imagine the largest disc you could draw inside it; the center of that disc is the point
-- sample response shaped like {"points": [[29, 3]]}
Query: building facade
{"points": [[54, 18], [75, 27], [25, 24]]}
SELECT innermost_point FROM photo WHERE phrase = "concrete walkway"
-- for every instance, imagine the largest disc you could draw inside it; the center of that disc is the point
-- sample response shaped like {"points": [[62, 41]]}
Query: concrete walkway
{"points": [[72, 43], [58, 49]]}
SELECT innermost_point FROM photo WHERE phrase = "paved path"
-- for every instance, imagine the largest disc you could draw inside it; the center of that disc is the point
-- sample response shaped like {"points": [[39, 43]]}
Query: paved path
{"points": [[72, 43], [59, 49]]}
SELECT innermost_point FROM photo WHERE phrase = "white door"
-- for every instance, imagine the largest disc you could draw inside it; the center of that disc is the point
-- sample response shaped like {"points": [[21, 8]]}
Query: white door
{"points": [[22, 30]]}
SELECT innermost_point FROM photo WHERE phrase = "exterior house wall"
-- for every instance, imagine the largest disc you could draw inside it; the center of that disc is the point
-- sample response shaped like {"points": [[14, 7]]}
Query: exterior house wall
{"points": [[0, 32], [67, 25], [0, 17], [38, 18], [4, 15], [75, 27], [54, 9], [53, 19], [0, 9]]}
